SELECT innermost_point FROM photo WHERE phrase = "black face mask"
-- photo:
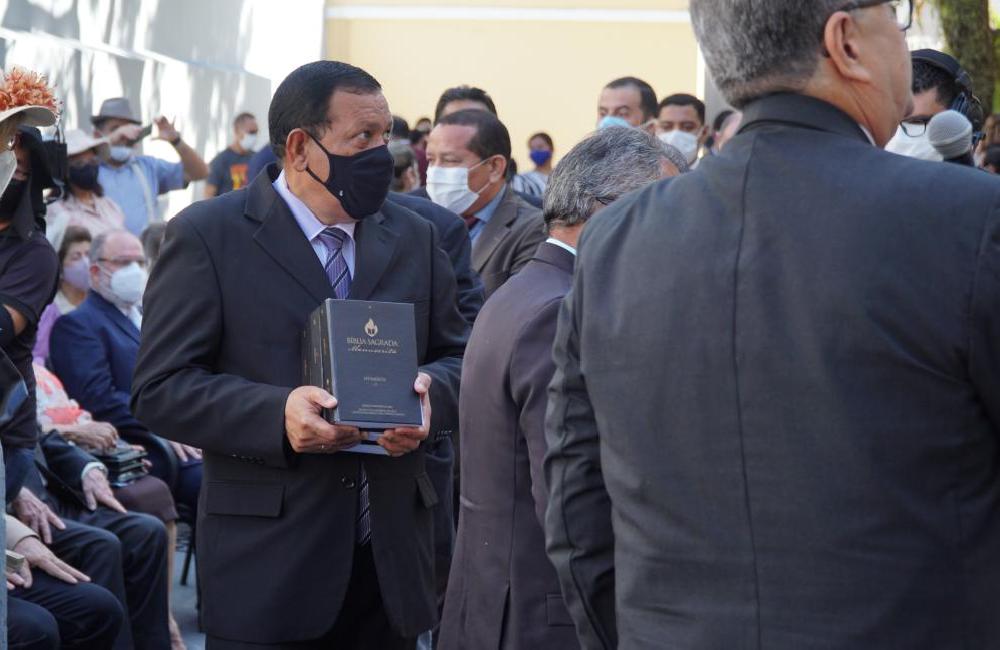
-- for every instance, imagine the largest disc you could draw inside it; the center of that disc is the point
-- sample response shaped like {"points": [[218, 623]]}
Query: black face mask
{"points": [[11, 199], [84, 176], [360, 182]]}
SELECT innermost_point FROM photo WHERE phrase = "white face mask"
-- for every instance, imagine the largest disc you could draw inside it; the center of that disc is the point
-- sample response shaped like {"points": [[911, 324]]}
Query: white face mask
{"points": [[121, 153], [248, 141], [449, 187], [686, 143], [918, 147], [8, 165], [127, 285]]}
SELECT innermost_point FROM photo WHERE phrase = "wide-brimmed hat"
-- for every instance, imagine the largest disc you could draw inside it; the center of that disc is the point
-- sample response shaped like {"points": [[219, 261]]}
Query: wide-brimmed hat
{"points": [[116, 108], [26, 93], [77, 141]]}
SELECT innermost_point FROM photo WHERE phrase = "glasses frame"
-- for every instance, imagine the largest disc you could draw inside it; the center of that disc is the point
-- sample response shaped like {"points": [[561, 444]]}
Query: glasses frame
{"points": [[867, 4], [914, 129]]}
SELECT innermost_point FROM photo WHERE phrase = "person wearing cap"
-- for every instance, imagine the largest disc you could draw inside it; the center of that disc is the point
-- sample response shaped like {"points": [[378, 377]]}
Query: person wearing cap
{"points": [[84, 203], [134, 181]]}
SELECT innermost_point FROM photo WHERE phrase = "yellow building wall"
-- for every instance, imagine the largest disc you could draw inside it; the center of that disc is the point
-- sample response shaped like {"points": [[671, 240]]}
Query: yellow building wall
{"points": [[543, 75]]}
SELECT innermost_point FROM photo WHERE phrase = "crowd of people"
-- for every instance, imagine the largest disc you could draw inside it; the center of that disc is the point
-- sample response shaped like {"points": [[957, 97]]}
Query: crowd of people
{"points": [[703, 383]]}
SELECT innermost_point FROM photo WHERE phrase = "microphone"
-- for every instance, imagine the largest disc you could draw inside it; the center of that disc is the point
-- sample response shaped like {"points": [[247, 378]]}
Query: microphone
{"points": [[950, 133]]}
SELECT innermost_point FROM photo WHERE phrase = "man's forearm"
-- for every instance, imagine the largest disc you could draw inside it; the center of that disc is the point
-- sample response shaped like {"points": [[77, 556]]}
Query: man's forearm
{"points": [[195, 168]]}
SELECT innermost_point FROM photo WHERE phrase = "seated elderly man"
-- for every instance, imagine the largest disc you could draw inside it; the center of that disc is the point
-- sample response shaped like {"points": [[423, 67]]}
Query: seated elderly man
{"points": [[133, 561], [508, 365], [93, 351]]}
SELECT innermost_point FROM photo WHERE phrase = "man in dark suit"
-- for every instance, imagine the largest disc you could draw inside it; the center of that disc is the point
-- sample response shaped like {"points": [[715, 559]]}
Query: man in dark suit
{"points": [[301, 544], [504, 593], [775, 415], [469, 152], [67, 500], [93, 350]]}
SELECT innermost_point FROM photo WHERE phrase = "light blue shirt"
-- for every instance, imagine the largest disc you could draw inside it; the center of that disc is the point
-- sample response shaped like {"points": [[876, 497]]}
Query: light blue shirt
{"points": [[312, 227], [121, 186], [485, 214]]}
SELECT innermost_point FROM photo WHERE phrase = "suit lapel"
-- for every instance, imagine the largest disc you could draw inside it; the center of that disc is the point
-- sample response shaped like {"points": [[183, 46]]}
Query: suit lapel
{"points": [[496, 229], [117, 317], [282, 238], [374, 247]]}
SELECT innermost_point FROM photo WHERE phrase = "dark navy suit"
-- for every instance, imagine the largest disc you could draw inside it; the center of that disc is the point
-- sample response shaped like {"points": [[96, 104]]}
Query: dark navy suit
{"points": [[93, 351]]}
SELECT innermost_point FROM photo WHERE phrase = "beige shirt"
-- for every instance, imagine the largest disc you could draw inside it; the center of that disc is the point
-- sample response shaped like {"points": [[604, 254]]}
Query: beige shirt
{"points": [[101, 216], [16, 531]]}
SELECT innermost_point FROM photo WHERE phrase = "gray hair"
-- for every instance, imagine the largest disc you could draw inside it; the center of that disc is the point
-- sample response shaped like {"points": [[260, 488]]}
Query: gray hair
{"points": [[754, 48], [598, 171], [674, 155]]}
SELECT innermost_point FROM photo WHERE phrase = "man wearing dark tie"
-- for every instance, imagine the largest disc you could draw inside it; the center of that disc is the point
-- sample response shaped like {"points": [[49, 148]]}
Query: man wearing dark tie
{"points": [[503, 593], [775, 417], [301, 544]]}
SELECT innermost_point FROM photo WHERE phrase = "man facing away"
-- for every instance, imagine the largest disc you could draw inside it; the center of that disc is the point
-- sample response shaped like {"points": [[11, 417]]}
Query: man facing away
{"points": [[300, 544], [503, 592], [774, 419]]}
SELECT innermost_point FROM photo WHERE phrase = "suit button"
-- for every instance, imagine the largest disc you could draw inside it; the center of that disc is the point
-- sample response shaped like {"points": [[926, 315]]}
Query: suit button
{"points": [[348, 482]]}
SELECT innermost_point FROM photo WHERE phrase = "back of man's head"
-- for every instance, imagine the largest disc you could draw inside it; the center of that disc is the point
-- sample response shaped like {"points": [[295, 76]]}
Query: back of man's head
{"points": [[599, 170], [400, 128], [754, 49], [491, 137], [465, 94], [684, 99], [647, 95], [302, 100]]}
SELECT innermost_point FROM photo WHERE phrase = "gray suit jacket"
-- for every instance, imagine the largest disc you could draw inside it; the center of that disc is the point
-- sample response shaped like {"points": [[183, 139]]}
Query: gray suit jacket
{"points": [[508, 241], [503, 591], [782, 371]]}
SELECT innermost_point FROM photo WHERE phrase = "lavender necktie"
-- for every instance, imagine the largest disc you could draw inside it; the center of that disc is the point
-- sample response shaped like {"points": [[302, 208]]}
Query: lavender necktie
{"points": [[339, 275]]}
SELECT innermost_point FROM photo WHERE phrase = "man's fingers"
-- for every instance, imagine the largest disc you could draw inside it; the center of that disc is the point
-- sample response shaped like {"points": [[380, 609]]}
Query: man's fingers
{"points": [[91, 499], [320, 398], [43, 529], [55, 568], [55, 520], [179, 450], [108, 499]]}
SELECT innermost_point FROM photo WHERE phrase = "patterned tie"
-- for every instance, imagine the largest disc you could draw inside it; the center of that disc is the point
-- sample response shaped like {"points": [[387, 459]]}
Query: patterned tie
{"points": [[470, 221], [339, 274]]}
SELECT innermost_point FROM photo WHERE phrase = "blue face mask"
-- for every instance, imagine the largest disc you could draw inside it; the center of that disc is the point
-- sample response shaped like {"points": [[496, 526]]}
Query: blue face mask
{"points": [[612, 120], [540, 156]]}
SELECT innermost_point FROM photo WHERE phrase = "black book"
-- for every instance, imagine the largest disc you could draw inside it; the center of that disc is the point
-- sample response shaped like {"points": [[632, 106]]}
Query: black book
{"points": [[365, 354]]}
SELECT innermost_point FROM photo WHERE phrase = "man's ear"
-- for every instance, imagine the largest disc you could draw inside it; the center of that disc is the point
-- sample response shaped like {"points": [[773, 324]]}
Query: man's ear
{"points": [[296, 150], [498, 168], [844, 46]]}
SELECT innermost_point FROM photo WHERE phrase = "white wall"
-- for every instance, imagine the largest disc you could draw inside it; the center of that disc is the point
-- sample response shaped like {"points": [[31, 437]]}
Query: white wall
{"points": [[200, 62]]}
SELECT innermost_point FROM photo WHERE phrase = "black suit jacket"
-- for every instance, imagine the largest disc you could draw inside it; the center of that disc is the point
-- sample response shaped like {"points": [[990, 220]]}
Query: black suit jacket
{"points": [[224, 312], [503, 591], [783, 370]]}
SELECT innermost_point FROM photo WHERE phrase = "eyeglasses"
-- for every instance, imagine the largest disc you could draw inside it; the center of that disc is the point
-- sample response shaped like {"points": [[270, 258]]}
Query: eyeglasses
{"points": [[915, 128], [123, 261], [903, 10]]}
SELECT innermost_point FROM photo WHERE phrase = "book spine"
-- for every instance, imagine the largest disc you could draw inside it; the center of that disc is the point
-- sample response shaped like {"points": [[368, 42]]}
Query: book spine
{"points": [[330, 379]]}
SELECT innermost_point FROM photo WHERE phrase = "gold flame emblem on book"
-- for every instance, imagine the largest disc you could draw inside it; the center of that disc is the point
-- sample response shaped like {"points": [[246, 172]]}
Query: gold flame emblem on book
{"points": [[371, 329]]}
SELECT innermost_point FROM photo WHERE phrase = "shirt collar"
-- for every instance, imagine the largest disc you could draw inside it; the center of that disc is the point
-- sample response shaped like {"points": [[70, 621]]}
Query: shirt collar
{"points": [[561, 244], [310, 225], [487, 211], [868, 133]]}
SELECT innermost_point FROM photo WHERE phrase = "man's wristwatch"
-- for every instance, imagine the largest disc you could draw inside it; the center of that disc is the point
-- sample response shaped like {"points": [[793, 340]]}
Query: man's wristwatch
{"points": [[176, 141]]}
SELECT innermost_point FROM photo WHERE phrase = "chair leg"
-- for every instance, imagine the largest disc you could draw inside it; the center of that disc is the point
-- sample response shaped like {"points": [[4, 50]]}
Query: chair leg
{"points": [[187, 559]]}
